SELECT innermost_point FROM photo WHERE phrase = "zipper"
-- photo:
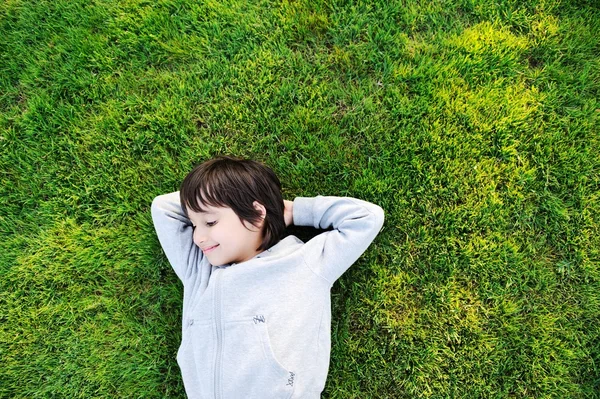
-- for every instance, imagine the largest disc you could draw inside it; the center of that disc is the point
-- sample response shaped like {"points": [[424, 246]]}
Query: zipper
{"points": [[219, 337]]}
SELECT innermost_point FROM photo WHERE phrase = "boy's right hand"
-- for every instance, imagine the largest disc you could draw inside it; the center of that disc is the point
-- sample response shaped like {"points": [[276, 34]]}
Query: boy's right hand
{"points": [[288, 214]]}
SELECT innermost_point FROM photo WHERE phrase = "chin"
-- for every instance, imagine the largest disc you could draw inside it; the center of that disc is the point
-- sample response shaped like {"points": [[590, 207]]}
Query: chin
{"points": [[216, 262]]}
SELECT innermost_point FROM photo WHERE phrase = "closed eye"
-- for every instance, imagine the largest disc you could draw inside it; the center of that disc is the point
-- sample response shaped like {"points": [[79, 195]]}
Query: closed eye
{"points": [[210, 224]]}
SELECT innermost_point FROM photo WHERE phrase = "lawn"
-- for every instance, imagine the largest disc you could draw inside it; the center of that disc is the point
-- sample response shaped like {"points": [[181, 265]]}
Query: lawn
{"points": [[474, 124]]}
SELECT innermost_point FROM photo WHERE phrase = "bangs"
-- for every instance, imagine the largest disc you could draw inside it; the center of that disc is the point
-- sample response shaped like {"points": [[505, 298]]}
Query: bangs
{"points": [[199, 198], [202, 190]]}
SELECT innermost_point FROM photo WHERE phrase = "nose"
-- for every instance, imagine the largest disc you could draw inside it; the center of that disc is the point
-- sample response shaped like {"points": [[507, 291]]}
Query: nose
{"points": [[199, 237]]}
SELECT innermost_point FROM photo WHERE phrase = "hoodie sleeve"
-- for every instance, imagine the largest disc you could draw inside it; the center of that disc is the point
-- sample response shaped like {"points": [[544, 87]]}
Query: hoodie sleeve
{"points": [[175, 233], [355, 224]]}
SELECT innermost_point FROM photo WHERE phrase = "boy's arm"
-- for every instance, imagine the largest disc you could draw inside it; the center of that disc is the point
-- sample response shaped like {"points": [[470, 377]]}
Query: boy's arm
{"points": [[175, 233], [355, 224]]}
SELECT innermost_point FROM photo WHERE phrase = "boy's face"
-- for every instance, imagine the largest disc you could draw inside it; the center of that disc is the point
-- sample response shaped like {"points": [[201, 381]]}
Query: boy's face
{"points": [[223, 238]]}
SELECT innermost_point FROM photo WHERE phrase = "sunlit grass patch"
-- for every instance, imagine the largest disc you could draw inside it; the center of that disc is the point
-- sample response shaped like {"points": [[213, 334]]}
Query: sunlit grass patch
{"points": [[486, 52]]}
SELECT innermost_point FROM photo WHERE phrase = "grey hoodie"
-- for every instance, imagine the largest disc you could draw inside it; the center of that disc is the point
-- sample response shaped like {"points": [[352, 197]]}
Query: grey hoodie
{"points": [[261, 329]]}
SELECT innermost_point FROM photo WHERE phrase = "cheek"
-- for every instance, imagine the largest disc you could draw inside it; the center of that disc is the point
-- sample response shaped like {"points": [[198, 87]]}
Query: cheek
{"points": [[219, 235]]}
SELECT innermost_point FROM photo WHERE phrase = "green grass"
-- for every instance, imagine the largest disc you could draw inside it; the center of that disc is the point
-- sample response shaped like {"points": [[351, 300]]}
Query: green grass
{"points": [[474, 124]]}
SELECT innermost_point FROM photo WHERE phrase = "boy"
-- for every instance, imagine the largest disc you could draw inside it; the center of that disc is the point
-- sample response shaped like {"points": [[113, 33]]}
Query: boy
{"points": [[256, 308]]}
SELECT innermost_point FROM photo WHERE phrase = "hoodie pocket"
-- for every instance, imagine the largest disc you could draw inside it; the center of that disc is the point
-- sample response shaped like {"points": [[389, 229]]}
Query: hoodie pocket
{"points": [[250, 368]]}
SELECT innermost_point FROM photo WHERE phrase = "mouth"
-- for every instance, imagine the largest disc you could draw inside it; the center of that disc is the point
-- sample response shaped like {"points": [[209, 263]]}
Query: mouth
{"points": [[209, 249]]}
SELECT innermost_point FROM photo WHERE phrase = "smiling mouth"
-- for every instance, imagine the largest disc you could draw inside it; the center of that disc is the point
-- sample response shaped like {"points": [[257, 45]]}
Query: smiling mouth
{"points": [[209, 249]]}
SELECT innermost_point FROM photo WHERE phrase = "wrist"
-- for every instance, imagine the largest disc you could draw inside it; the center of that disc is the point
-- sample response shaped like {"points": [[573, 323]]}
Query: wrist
{"points": [[288, 212]]}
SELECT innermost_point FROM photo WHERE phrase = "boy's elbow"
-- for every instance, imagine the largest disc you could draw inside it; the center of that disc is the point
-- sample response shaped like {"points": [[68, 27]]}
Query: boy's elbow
{"points": [[155, 203], [158, 205], [379, 217], [159, 200], [373, 217]]}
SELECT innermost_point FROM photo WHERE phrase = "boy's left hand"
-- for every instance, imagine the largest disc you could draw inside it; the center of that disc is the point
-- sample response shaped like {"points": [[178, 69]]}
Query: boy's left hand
{"points": [[288, 214]]}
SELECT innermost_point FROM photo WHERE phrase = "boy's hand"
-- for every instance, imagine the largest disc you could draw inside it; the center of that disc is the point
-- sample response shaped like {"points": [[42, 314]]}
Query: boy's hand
{"points": [[288, 214]]}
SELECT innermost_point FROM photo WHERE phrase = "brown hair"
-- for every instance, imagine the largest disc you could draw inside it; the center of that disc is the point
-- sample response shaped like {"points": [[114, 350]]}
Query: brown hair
{"points": [[236, 183]]}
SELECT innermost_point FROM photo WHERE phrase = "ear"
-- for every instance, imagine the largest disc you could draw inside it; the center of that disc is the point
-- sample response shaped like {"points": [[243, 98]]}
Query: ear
{"points": [[258, 206]]}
